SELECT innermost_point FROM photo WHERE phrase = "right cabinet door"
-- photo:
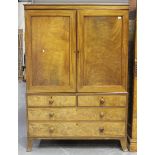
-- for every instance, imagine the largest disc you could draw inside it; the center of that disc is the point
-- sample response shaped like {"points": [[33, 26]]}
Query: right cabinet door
{"points": [[103, 50]]}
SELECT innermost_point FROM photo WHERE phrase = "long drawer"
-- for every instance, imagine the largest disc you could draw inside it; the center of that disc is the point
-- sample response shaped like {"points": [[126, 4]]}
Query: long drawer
{"points": [[77, 129], [102, 100], [40, 100], [82, 113]]}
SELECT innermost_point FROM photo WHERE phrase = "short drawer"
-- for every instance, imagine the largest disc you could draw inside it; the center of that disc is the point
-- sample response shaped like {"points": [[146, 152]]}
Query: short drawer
{"points": [[77, 129], [102, 100], [97, 113], [36, 100]]}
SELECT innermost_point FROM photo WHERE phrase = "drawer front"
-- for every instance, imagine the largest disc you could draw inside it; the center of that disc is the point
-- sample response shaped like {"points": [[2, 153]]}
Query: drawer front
{"points": [[102, 100], [77, 129], [35, 100], [77, 113]]}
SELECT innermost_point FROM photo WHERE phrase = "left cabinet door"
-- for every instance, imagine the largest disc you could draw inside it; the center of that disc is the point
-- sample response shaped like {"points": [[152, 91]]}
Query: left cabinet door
{"points": [[50, 50]]}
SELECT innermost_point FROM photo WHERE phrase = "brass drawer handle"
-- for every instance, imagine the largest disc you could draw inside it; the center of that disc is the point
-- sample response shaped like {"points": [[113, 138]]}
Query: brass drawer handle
{"points": [[101, 130], [51, 102], [51, 114], [102, 101], [51, 130], [101, 114]]}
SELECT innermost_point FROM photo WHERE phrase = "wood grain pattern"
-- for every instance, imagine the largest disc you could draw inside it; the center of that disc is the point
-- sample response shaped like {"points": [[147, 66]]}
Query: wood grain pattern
{"points": [[50, 51], [76, 129], [109, 100], [39, 101], [75, 7], [102, 50], [105, 114], [52, 59], [102, 57]]}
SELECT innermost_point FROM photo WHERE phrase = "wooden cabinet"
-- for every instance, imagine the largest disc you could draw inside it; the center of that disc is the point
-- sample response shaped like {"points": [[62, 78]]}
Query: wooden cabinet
{"points": [[76, 72]]}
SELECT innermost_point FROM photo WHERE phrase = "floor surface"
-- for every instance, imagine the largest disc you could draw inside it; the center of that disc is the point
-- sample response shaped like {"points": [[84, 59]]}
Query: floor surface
{"points": [[45, 147]]}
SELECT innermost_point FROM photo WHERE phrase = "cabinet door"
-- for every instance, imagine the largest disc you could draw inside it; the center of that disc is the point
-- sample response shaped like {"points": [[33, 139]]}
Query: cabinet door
{"points": [[103, 49], [50, 50]]}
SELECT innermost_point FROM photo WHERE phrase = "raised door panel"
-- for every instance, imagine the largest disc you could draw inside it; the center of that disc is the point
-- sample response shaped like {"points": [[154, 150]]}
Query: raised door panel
{"points": [[102, 44], [50, 50]]}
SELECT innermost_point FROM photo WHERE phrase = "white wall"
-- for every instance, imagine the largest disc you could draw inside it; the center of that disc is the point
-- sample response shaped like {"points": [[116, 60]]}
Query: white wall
{"points": [[80, 1], [21, 23]]}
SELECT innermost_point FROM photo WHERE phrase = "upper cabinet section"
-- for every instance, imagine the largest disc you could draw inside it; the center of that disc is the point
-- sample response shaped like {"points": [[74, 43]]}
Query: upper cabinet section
{"points": [[50, 50], [102, 43], [78, 48]]}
